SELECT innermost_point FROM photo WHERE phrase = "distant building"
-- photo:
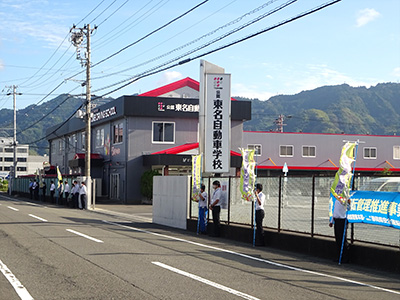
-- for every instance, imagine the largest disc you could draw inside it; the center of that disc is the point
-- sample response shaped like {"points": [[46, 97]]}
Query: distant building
{"points": [[26, 164]]}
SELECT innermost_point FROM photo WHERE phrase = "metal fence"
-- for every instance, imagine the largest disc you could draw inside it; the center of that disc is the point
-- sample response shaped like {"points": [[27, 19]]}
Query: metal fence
{"points": [[296, 204]]}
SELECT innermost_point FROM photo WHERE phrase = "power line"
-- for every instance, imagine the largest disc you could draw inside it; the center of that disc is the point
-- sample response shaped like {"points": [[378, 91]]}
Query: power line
{"points": [[151, 33], [113, 13], [91, 22], [90, 12], [211, 33]]}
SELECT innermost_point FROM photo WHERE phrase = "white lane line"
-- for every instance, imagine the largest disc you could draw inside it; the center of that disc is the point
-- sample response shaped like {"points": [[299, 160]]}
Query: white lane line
{"points": [[213, 284], [16, 284], [259, 259], [39, 218], [10, 207], [85, 236]]}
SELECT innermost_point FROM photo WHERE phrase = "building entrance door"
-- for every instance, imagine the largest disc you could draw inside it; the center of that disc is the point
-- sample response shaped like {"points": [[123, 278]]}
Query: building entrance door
{"points": [[114, 188]]}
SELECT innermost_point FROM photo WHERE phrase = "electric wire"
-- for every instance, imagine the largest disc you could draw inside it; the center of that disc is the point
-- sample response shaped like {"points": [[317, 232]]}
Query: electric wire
{"points": [[211, 33], [91, 22], [113, 13]]}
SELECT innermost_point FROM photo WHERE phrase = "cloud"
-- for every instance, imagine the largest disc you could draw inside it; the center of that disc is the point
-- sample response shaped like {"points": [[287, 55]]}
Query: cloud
{"points": [[395, 72], [250, 91], [170, 76], [365, 16]]}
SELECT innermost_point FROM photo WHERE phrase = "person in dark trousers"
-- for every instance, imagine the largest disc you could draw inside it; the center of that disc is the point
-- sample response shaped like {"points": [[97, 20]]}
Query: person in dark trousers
{"points": [[30, 188], [260, 201], [339, 222], [44, 187], [216, 208], [52, 191], [60, 191], [35, 188], [76, 194], [82, 196], [67, 191]]}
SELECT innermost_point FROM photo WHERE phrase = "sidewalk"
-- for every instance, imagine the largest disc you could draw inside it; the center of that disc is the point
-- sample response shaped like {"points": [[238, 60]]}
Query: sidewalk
{"points": [[143, 213]]}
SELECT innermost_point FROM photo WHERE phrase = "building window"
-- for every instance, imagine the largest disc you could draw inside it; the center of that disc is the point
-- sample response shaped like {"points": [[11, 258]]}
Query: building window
{"points": [[256, 147], [309, 151], [22, 150], [100, 138], [163, 132], [370, 153], [8, 159], [21, 159], [9, 150], [286, 151], [1, 168], [7, 168], [1, 149], [396, 152], [1, 159], [21, 169], [118, 133]]}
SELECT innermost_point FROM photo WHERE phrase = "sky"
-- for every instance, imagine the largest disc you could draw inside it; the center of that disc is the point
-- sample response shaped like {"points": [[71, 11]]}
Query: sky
{"points": [[356, 42]]}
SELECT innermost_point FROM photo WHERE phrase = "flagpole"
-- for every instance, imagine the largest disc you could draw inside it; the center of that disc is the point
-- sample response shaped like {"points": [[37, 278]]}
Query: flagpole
{"points": [[345, 220], [255, 198]]}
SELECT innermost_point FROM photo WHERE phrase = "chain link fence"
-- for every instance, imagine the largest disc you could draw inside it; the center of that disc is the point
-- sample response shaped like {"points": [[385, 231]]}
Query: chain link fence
{"points": [[296, 204]]}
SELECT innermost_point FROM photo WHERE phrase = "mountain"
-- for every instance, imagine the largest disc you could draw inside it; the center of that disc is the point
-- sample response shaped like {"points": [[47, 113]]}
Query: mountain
{"points": [[33, 129], [332, 109]]}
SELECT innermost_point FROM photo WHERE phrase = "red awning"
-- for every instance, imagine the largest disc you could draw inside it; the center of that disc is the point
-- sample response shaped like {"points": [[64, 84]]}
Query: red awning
{"points": [[92, 156], [184, 148]]}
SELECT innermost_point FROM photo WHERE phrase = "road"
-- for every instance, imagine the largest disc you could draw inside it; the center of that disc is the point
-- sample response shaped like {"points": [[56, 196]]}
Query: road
{"points": [[60, 253]]}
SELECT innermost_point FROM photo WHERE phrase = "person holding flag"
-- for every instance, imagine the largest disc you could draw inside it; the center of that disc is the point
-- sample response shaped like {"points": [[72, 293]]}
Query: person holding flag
{"points": [[340, 200]]}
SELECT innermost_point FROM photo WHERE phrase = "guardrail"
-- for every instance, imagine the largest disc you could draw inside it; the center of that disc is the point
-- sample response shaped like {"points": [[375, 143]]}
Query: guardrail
{"points": [[296, 204]]}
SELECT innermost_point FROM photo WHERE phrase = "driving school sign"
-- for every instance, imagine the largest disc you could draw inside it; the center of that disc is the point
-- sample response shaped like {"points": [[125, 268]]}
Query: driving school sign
{"points": [[217, 123]]}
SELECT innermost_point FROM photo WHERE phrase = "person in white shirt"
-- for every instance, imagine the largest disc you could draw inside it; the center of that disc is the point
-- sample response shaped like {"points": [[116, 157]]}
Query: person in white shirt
{"points": [[260, 201], [67, 191], [203, 202], [60, 190], [339, 222], [52, 191], [215, 206], [82, 196], [75, 194]]}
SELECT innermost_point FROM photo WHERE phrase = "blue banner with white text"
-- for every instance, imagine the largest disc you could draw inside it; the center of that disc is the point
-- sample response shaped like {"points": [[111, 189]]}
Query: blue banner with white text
{"points": [[379, 208]]}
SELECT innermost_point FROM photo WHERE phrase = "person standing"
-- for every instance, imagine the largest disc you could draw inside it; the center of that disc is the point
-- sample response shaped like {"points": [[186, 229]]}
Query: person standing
{"points": [[30, 188], [215, 206], [60, 190], [260, 201], [77, 202], [52, 191], [82, 196], [203, 203], [35, 188], [44, 187], [339, 222], [67, 191]]}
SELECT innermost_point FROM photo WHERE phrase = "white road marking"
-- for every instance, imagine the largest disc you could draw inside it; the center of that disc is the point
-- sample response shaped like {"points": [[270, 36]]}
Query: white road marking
{"points": [[258, 259], [10, 207], [213, 284], [85, 236], [39, 218], [16, 284]]}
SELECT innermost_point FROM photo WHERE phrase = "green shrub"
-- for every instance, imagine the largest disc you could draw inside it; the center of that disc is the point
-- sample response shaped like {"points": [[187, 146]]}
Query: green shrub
{"points": [[146, 183]]}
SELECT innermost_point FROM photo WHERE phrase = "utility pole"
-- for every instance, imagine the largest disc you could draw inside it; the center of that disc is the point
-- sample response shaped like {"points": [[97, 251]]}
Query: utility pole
{"points": [[14, 168], [77, 39], [280, 122]]}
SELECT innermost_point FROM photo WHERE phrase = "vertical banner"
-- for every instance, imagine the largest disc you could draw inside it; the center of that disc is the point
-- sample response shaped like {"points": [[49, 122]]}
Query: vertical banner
{"points": [[247, 174], [217, 123], [340, 189], [59, 177], [196, 176]]}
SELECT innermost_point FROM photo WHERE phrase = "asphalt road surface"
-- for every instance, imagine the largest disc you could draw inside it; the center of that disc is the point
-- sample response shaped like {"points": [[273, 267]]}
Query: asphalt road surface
{"points": [[58, 253]]}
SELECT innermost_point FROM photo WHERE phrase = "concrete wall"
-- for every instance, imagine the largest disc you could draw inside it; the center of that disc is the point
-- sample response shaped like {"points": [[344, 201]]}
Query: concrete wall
{"points": [[170, 200]]}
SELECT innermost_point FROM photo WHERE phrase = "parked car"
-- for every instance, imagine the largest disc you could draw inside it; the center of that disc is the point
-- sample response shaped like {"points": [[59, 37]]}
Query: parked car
{"points": [[382, 184]]}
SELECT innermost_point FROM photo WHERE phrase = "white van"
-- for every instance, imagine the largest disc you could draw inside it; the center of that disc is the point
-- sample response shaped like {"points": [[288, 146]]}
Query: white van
{"points": [[382, 184]]}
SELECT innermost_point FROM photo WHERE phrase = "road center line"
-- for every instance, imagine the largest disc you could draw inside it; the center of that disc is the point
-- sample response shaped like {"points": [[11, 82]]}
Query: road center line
{"points": [[258, 259], [85, 236], [39, 218], [10, 207], [16, 284], [208, 282]]}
